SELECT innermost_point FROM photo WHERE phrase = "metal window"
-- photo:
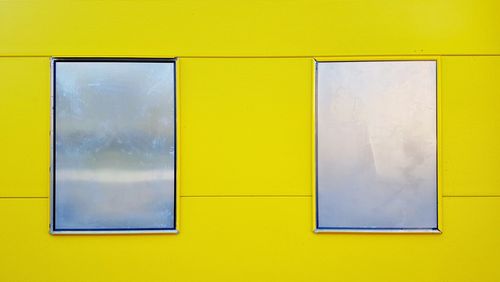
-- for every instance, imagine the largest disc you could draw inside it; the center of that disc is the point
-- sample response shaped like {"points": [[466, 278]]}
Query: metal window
{"points": [[113, 155], [376, 146]]}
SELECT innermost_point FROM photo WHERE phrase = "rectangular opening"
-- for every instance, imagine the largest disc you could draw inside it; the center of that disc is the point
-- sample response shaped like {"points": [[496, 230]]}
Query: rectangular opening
{"points": [[376, 161], [113, 166]]}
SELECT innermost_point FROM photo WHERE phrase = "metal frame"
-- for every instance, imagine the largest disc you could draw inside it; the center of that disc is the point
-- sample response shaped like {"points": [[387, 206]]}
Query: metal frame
{"points": [[317, 228], [52, 225]]}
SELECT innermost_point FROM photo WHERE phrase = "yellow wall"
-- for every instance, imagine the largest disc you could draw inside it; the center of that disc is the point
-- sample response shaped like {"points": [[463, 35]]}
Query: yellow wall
{"points": [[245, 97]]}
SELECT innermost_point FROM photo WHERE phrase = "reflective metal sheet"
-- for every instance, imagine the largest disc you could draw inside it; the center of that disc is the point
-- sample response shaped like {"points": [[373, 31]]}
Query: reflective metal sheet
{"points": [[376, 145], [114, 159]]}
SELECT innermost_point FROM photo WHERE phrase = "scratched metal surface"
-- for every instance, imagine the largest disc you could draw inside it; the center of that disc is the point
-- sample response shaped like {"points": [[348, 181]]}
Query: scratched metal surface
{"points": [[114, 147], [376, 134]]}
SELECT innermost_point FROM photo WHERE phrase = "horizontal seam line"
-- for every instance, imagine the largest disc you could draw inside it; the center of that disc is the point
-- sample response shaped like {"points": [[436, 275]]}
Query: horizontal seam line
{"points": [[24, 197], [243, 57], [208, 196], [245, 196], [471, 196], [342, 56]]}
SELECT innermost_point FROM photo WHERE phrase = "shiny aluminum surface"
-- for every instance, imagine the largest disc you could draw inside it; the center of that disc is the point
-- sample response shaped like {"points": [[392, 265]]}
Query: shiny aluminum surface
{"points": [[376, 145], [114, 125]]}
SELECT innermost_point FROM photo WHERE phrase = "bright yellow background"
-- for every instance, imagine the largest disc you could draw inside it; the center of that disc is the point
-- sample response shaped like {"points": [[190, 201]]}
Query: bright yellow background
{"points": [[245, 115]]}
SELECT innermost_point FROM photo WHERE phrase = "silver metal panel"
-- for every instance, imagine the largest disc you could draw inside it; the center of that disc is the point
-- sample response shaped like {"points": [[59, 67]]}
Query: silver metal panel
{"points": [[114, 161], [376, 145]]}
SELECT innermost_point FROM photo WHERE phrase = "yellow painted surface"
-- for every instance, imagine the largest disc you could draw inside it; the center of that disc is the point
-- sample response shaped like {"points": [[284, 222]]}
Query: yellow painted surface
{"points": [[249, 28], [245, 126], [471, 113], [252, 239], [245, 138], [24, 126]]}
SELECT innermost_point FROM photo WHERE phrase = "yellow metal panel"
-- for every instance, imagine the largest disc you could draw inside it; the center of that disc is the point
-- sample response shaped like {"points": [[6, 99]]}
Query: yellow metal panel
{"points": [[25, 126], [252, 239], [248, 28], [471, 125], [245, 126]]}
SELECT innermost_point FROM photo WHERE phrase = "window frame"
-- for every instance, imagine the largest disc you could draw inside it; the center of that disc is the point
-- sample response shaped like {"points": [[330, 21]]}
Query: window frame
{"points": [[315, 209], [52, 185]]}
